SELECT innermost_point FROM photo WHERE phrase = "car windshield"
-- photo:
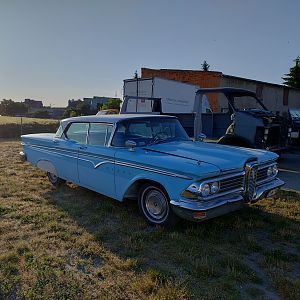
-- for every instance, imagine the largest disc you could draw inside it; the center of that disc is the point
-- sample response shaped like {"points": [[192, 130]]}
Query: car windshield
{"points": [[148, 131], [247, 102]]}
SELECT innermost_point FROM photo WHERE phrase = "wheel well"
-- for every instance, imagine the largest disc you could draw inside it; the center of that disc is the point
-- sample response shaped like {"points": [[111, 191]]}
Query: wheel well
{"points": [[133, 191]]}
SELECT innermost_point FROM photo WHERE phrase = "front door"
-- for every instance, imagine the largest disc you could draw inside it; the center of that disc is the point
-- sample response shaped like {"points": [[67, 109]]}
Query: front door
{"points": [[96, 165]]}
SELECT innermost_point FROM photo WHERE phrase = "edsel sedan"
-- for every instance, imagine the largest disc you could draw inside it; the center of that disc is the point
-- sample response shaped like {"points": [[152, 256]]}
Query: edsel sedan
{"points": [[151, 158]]}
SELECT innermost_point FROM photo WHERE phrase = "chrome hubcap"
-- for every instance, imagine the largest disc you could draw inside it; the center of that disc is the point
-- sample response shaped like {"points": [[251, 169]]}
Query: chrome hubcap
{"points": [[156, 204]]}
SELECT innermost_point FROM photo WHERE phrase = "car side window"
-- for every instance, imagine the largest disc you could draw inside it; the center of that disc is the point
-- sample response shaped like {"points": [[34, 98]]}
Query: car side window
{"points": [[99, 134], [77, 132]]}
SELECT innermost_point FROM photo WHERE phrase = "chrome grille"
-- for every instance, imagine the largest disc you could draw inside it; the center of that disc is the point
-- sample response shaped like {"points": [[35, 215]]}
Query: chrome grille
{"points": [[252, 183], [251, 177], [232, 183], [262, 173]]}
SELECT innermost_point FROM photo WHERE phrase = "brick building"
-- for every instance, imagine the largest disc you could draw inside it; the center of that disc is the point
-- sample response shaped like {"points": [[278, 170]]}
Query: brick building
{"points": [[276, 97]]}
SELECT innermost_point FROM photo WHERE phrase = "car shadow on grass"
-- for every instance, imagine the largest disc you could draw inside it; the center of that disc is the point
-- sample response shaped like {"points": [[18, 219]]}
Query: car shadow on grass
{"points": [[248, 253]]}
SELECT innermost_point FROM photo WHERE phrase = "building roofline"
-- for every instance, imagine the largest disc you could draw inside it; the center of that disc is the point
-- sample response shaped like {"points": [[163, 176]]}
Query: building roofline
{"points": [[227, 76], [185, 70], [259, 81]]}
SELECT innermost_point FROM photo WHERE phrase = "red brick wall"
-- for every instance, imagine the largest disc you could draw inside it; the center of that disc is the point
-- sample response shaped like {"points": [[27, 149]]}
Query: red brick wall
{"points": [[203, 79]]}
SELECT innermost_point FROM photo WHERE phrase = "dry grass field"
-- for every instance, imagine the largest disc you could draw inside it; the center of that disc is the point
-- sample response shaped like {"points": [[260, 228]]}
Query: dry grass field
{"points": [[71, 243], [17, 120], [10, 127]]}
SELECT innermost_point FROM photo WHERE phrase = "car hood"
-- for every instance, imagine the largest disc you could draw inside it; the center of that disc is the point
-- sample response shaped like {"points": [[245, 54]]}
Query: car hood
{"points": [[226, 158]]}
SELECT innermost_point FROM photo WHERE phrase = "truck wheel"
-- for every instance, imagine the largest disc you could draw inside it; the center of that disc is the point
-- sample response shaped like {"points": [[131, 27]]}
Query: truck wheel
{"points": [[55, 180], [154, 205]]}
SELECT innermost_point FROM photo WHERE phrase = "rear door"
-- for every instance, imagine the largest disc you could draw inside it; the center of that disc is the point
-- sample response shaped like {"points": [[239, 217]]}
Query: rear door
{"points": [[64, 151], [96, 161]]}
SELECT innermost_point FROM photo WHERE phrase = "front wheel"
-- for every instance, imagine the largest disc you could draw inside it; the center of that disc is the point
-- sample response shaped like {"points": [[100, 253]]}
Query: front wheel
{"points": [[154, 204], [54, 179]]}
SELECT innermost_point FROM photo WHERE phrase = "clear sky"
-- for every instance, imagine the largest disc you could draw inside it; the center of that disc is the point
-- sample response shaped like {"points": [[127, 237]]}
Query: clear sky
{"points": [[57, 50]]}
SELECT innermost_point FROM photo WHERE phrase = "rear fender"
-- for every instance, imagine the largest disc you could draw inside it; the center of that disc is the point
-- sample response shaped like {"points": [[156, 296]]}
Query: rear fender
{"points": [[47, 166]]}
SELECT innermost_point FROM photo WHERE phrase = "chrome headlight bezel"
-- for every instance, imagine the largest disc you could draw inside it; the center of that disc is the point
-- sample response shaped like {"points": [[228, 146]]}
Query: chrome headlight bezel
{"points": [[202, 190], [275, 170], [270, 171]]}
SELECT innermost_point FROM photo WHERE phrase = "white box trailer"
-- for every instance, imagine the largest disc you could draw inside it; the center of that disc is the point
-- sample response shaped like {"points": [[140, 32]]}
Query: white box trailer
{"points": [[176, 97]]}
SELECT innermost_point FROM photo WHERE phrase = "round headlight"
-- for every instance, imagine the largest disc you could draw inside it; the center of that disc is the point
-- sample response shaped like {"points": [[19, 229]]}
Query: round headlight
{"points": [[275, 170], [270, 171], [214, 187], [204, 189]]}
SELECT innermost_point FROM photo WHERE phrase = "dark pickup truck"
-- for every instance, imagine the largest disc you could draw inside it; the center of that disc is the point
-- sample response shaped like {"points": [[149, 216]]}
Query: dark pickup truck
{"points": [[250, 123]]}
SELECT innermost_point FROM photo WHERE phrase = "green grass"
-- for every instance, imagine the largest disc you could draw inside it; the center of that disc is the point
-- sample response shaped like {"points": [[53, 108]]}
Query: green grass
{"points": [[17, 120], [71, 243]]}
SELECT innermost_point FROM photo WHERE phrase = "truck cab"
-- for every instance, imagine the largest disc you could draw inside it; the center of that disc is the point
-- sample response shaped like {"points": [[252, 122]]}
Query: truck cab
{"points": [[249, 123]]}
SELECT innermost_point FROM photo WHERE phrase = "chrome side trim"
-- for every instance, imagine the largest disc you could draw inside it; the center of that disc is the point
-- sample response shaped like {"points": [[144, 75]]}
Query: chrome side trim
{"points": [[102, 163], [53, 150], [149, 169]]}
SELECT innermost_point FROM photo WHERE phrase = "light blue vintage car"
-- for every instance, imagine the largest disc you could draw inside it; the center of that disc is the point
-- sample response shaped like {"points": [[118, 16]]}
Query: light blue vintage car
{"points": [[152, 159]]}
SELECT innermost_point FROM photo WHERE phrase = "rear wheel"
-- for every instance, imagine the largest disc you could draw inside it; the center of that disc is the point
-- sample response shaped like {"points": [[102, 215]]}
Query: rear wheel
{"points": [[54, 179], [154, 204]]}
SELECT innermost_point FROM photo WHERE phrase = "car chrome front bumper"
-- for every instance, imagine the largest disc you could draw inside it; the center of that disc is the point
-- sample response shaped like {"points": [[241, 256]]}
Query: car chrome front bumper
{"points": [[203, 210]]}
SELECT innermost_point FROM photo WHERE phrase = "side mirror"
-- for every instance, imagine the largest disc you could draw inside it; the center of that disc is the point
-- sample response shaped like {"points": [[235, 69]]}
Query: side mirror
{"points": [[130, 145], [201, 137]]}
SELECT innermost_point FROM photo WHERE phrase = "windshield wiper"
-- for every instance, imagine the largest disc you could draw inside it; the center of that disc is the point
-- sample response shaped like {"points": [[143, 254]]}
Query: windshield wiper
{"points": [[156, 141]]}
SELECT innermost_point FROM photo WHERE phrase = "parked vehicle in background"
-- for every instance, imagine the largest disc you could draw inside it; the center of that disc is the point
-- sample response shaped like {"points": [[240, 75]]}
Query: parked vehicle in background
{"points": [[294, 114], [244, 120], [248, 122], [151, 158], [111, 111], [160, 95]]}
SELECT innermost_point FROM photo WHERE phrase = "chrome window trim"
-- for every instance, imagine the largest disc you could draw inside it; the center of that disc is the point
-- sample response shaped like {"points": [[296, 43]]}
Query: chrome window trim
{"points": [[69, 125]]}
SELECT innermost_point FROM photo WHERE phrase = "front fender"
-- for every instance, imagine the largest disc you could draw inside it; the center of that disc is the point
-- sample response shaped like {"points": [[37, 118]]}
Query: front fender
{"points": [[173, 185]]}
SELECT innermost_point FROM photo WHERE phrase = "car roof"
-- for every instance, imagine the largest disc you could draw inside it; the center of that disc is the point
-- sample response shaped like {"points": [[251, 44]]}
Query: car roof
{"points": [[114, 118]]}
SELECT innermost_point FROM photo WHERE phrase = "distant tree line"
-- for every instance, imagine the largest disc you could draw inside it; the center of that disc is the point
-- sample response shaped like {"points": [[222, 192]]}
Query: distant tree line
{"points": [[11, 108], [81, 108]]}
